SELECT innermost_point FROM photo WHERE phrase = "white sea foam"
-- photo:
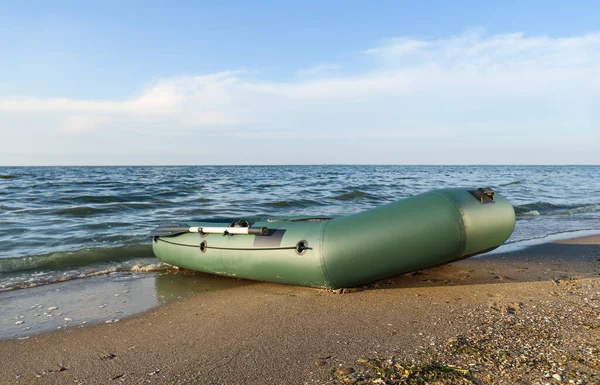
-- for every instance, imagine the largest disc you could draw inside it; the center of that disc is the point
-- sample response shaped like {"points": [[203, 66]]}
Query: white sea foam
{"points": [[585, 209], [153, 267]]}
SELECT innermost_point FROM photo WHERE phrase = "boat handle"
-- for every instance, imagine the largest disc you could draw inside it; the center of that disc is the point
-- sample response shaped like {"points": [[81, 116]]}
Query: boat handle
{"points": [[230, 230], [171, 229]]}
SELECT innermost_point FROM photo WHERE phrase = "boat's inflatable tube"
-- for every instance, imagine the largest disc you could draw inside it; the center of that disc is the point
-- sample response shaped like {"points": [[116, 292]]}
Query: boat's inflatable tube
{"points": [[425, 230]]}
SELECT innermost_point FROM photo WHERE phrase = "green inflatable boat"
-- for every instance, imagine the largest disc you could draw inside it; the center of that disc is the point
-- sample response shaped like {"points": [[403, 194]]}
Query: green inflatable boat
{"points": [[425, 230]]}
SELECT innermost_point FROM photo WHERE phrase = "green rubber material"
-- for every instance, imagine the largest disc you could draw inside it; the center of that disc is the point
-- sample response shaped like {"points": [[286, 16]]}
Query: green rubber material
{"points": [[421, 231]]}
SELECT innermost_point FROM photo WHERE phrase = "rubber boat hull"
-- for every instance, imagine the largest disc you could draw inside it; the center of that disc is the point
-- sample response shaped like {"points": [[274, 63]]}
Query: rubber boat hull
{"points": [[425, 230]]}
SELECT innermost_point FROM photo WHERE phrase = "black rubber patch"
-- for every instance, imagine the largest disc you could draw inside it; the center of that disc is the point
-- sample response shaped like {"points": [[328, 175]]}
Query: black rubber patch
{"points": [[272, 239]]}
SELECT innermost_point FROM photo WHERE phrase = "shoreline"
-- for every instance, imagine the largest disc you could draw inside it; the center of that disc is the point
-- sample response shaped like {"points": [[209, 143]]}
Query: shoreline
{"points": [[254, 332]]}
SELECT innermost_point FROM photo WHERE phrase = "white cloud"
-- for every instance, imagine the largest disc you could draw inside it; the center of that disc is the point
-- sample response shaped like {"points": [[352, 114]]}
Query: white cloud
{"points": [[81, 123], [472, 88], [318, 70], [399, 47]]}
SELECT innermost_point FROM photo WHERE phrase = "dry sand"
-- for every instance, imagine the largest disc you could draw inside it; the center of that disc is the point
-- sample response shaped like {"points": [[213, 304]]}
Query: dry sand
{"points": [[529, 316]]}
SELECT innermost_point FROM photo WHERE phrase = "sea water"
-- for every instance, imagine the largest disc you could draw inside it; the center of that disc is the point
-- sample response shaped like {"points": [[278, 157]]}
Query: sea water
{"points": [[63, 223]]}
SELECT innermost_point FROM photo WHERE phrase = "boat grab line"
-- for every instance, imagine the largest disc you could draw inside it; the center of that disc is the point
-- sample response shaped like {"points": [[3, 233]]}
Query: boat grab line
{"points": [[235, 248], [255, 248]]}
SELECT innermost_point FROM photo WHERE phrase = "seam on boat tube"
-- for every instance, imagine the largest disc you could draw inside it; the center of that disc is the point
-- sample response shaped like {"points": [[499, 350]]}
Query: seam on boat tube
{"points": [[461, 222], [322, 256]]}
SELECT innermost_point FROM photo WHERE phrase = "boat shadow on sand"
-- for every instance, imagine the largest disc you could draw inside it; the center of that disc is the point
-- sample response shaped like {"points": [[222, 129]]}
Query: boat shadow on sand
{"points": [[183, 283], [546, 262]]}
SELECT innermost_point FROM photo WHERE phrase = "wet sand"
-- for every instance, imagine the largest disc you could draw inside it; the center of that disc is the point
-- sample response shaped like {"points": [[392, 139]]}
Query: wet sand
{"points": [[528, 316]]}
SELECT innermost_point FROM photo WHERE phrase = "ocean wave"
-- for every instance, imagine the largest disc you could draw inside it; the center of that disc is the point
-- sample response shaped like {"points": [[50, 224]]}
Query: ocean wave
{"points": [[50, 278], [352, 195], [292, 204], [280, 204], [82, 211], [546, 208], [537, 206], [72, 259], [585, 209], [103, 199], [512, 183], [200, 200], [93, 199]]}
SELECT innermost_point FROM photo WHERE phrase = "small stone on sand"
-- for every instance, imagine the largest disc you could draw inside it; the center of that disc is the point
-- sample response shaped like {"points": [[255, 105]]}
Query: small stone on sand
{"points": [[341, 372]]}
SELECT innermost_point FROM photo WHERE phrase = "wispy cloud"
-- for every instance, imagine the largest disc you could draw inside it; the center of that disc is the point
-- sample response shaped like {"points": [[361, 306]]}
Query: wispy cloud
{"points": [[473, 85], [318, 70], [477, 51]]}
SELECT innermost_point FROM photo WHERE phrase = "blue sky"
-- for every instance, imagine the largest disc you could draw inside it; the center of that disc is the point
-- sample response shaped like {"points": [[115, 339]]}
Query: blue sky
{"points": [[233, 82]]}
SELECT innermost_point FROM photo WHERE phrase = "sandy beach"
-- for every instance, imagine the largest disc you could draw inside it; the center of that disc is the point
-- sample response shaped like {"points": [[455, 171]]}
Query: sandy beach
{"points": [[529, 316]]}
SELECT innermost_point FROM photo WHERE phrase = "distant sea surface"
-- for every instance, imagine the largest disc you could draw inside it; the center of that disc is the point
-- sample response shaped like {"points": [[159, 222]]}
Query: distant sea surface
{"points": [[61, 223]]}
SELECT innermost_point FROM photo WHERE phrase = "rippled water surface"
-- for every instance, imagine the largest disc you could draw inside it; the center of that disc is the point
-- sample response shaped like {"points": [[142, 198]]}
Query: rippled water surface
{"points": [[58, 223]]}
